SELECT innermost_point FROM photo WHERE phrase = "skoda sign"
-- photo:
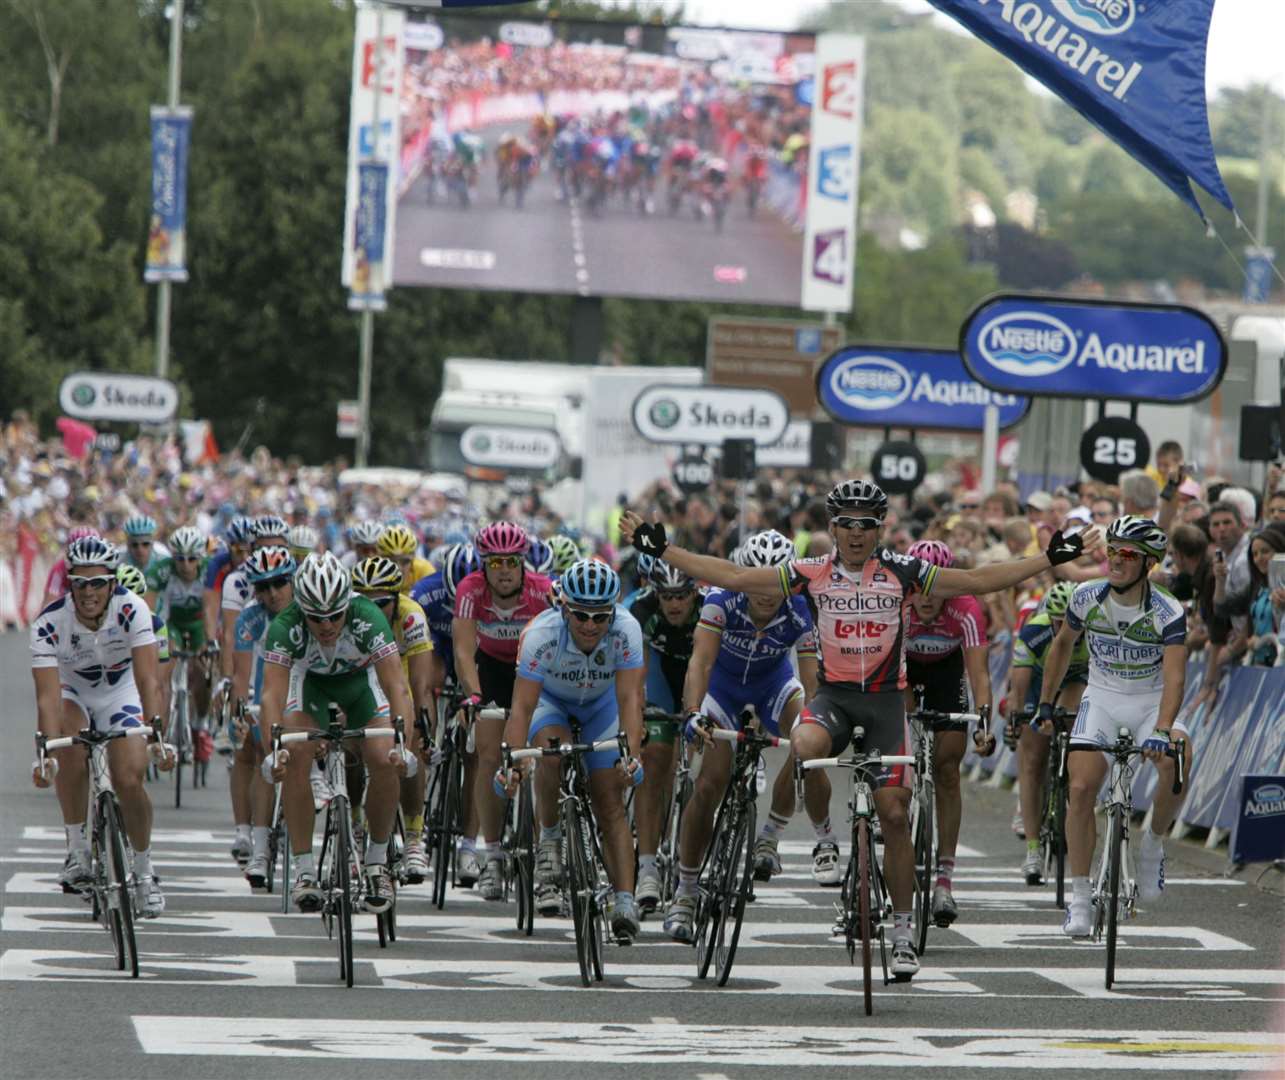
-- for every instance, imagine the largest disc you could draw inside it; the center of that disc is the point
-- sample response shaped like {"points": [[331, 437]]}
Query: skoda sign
{"points": [[900, 386], [510, 447], [1118, 351], [99, 395], [706, 415]]}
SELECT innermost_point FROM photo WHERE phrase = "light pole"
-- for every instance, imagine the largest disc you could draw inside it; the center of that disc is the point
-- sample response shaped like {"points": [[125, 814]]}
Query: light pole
{"points": [[163, 297]]}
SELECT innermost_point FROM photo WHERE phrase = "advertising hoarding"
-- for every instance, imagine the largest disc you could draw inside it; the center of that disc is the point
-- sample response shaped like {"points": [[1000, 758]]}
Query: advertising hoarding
{"points": [[776, 354]]}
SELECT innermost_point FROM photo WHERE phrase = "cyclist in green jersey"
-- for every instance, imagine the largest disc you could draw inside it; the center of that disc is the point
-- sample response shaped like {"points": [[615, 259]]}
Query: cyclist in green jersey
{"points": [[176, 592]]}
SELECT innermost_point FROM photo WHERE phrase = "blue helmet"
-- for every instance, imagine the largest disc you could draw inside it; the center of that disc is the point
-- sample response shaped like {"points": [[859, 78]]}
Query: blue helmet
{"points": [[644, 567], [590, 583], [539, 556], [458, 562], [140, 525], [240, 530]]}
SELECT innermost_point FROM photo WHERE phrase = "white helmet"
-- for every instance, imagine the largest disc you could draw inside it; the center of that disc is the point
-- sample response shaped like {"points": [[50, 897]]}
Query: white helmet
{"points": [[322, 585], [365, 532], [302, 538], [768, 548], [187, 540]]}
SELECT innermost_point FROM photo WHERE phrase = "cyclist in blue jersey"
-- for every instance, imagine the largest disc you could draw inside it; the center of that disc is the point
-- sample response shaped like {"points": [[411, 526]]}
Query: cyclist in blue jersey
{"points": [[741, 659], [582, 660], [270, 573], [436, 595]]}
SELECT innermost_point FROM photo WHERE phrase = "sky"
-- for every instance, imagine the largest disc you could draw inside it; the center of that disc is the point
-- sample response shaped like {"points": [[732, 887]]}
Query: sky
{"points": [[1245, 37]]}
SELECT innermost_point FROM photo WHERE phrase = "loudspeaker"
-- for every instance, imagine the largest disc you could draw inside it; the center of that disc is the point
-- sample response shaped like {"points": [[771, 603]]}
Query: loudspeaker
{"points": [[739, 461], [1260, 432], [826, 445]]}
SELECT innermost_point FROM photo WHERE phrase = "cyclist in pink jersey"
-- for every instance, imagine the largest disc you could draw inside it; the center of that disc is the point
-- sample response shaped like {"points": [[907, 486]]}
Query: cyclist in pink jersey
{"points": [[492, 606], [945, 638], [860, 593]]}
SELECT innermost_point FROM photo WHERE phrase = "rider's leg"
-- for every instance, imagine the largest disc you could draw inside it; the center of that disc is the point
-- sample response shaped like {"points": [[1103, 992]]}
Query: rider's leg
{"points": [[127, 759], [698, 819], [383, 782], [893, 807], [72, 782], [1032, 754], [200, 689], [606, 792], [948, 752], [490, 808], [296, 793], [652, 794]]}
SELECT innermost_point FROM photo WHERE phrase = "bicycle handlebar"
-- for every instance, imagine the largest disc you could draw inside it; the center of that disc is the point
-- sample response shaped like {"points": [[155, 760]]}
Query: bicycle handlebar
{"points": [[754, 737], [867, 761], [945, 717], [88, 737], [313, 736], [561, 750]]}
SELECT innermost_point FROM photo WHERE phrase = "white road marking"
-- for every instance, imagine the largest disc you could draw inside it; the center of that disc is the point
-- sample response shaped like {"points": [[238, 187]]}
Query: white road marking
{"points": [[1132, 936], [787, 1047]]}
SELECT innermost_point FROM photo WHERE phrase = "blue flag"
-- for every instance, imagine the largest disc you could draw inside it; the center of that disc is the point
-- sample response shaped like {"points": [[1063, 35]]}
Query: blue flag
{"points": [[1135, 69]]}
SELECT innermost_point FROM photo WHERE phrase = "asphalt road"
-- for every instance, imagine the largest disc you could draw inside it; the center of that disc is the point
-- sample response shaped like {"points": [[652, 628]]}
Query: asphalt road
{"points": [[555, 246], [233, 988]]}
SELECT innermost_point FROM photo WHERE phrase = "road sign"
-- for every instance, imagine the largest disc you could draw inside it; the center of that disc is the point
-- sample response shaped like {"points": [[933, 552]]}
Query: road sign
{"points": [[97, 395], [348, 419], [898, 467], [775, 354], [706, 415], [693, 474], [1112, 446]]}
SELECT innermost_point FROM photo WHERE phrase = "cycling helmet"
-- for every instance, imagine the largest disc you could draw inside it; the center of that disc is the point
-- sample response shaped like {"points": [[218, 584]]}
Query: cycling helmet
{"points": [[397, 539], [322, 585], [240, 530], [92, 551], [856, 497], [378, 574], [270, 525], [187, 540], [365, 533], [767, 548], [501, 538], [459, 561], [81, 532], [565, 552], [590, 583], [132, 578], [301, 540], [932, 551], [555, 593], [269, 562], [664, 576], [140, 525], [539, 556], [1058, 599], [1138, 532], [644, 566]]}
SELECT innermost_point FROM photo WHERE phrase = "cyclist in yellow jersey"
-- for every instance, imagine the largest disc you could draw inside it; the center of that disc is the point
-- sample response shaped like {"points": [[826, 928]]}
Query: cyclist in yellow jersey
{"points": [[398, 543], [379, 579]]}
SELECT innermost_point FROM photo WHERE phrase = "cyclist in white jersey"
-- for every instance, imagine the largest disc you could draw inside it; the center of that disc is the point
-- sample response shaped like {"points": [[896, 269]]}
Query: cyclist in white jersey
{"points": [[1136, 634]]}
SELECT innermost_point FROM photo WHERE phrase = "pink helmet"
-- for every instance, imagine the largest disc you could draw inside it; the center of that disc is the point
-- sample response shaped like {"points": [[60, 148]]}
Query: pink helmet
{"points": [[81, 532], [932, 551], [501, 538]]}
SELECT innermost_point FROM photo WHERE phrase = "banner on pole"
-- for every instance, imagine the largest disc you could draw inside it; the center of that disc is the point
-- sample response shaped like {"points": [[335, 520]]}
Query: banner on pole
{"points": [[167, 222], [370, 270]]}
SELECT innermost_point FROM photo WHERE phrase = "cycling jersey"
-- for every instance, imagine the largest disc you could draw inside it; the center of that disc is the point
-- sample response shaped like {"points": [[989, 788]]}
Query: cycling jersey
{"points": [[431, 595], [180, 603], [549, 656], [859, 614], [216, 568], [1128, 654], [669, 648], [960, 623], [1031, 647], [366, 639], [746, 652], [236, 591], [419, 570], [250, 634], [410, 631], [500, 623]]}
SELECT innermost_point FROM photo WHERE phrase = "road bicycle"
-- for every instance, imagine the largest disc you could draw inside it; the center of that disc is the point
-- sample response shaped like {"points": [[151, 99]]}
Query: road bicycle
{"points": [[182, 728], [671, 821], [1115, 892], [585, 882], [112, 887], [1056, 791], [863, 898], [519, 843]]}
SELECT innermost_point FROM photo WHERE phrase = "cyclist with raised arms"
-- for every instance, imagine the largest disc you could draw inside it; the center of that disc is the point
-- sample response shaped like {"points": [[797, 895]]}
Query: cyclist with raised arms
{"points": [[93, 660], [668, 612], [330, 646], [740, 659], [583, 660], [492, 607], [859, 593], [946, 638], [1025, 682], [1137, 636], [269, 572]]}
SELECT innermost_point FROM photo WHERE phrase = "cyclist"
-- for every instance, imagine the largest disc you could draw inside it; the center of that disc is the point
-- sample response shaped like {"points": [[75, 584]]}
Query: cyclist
{"points": [[583, 660], [176, 592], [741, 658], [1025, 681], [668, 612], [1137, 669], [946, 638], [136, 582], [302, 541], [270, 572], [56, 581], [328, 647], [565, 552], [398, 543], [380, 581], [436, 595], [363, 536], [141, 548], [539, 556], [492, 606], [860, 591], [93, 660]]}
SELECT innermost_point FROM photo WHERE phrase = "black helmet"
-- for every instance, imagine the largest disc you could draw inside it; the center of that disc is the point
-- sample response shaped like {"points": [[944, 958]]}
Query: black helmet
{"points": [[857, 497]]}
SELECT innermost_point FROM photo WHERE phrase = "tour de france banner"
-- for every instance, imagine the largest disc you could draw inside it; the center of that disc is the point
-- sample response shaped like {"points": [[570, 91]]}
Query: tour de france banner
{"points": [[903, 386], [1135, 68], [1105, 350], [369, 255], [167, 222]]}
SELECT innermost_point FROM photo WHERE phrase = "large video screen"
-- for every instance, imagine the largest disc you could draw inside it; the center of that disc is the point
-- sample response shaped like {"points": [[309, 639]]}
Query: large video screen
{"points": [[603, 159]]}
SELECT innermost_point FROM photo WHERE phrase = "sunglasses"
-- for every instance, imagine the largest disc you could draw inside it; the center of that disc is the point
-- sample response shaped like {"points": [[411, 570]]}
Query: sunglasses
{"points": [[1124, 554], [970, 506], [98, 581], [322, 620], [673, 594], [187, 558], [270, 584], [597, 617], [856, 522], [140, 543], [503, 561]]}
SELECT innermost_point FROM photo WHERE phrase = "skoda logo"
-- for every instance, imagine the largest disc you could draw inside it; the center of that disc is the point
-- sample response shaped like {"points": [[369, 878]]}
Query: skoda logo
{"points": [[83, 394], [664, 413], [870, 383], [481, 442], [1027, 343], [1098, 16]]}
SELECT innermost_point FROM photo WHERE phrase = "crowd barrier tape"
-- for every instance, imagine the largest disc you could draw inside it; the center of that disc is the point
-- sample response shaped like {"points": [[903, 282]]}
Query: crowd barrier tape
{"points": [[22, 587]]}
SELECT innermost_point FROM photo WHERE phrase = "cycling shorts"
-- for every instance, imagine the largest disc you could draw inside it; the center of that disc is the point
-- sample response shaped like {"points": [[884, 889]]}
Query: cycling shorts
{"points": [[1104, 712], [662, 693], [597, 720], [495, 678], [839, 709], [187, 636], [945, 688], [108, 708], [727, 697], [357, 693]]}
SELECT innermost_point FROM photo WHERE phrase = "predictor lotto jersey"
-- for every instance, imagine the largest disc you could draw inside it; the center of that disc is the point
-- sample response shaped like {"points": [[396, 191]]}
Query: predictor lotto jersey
{"points": [[860, 615]]}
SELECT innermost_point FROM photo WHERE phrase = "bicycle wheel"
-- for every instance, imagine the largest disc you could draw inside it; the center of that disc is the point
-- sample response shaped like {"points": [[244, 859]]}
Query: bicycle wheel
{"points": [[1112, 897], [669, 842], [710, 898], [924, 860], [340, 881], [865, 917], [1057, 836], [738, 885], [523, 859], [182, 743], [121, 902], [581, 891], [441, 827]]}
